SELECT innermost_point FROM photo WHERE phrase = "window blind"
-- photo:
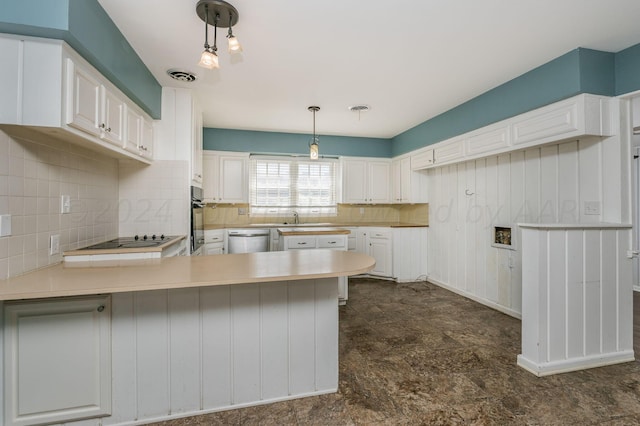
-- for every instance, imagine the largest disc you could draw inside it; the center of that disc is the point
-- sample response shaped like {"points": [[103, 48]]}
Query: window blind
{"points": [[279, 186]]}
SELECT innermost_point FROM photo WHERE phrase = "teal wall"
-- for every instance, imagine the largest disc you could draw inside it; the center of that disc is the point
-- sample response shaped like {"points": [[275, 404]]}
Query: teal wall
{"points": [[627, 66], [578, 71], [89, 30], [293, 143]]}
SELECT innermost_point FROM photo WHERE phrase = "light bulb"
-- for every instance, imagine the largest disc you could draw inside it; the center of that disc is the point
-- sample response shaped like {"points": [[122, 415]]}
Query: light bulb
{"points": [[209, 60], [234, 44]]}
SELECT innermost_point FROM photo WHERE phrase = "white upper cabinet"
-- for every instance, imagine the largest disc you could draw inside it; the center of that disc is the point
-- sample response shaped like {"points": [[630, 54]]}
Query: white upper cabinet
{"points": [[366, 181], [582, 115], [139, 137], [225, 177], [83, 99], [112, 125], [408, 186], [54, 91]]}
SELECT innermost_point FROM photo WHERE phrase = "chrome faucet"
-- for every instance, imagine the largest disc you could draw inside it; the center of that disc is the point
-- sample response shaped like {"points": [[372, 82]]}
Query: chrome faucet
{"points": [[296, 219]]}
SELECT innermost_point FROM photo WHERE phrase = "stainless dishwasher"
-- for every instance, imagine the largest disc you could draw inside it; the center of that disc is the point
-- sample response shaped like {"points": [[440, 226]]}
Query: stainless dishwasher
{"points": [[248, 240]]}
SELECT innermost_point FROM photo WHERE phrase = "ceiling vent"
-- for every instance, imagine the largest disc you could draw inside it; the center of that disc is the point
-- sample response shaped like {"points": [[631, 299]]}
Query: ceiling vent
{"points": [[359, 108], [182, 75]]}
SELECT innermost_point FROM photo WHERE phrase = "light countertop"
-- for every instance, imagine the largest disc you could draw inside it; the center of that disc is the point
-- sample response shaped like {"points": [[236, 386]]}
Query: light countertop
{"points": [[311, 224], [318, 230], [87, 278]]}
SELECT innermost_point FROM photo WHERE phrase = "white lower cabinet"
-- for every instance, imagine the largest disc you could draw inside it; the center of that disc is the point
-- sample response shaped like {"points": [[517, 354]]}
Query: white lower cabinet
{"points": [[377, 243], [214, 241], [307, 242], [57, 360]]}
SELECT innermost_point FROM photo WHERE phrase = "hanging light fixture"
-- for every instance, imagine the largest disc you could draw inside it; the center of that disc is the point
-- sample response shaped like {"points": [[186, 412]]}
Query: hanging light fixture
{"points": [[234, 44], [223, 15], [313, 144]]}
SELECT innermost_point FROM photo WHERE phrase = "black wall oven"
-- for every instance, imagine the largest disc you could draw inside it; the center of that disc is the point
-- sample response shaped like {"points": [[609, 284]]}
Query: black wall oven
{"points": [[197, 221]]}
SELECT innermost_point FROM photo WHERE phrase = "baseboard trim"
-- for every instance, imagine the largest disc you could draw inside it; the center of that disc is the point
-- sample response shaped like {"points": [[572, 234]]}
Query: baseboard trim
{"points": [[575, 364], [475, 298]]}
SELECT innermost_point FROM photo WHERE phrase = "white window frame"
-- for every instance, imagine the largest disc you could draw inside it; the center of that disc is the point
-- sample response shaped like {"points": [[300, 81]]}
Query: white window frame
{"points": [[270, 207]]}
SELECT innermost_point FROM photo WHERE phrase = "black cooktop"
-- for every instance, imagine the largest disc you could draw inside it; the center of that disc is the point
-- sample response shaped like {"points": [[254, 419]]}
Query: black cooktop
{"points": [[132, 242]]}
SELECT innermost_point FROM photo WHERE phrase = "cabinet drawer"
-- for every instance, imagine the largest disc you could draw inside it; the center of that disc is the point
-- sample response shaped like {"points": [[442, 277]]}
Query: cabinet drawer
{"points": [[214, 236], [380, 233], [294, 243], [331, 241]]}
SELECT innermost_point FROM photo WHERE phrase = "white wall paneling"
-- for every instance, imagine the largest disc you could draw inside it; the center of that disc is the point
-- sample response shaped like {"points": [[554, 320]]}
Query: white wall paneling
{"points": [[409, 254], [192, 351], [577, 284], [547, 184]]}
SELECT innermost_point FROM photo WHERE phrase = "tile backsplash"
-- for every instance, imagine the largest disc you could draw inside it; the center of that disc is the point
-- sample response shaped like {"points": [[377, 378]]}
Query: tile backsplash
{"points": [[154, 199], [33, 177], [227, 214]]}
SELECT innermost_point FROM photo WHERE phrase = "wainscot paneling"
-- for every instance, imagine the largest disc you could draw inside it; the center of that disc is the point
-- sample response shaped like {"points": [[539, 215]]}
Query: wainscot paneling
{"points": [[577, 282], [548, 184], [192, 351]]}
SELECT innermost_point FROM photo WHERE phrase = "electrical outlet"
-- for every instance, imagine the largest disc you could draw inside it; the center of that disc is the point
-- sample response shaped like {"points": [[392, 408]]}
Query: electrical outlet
{"points": [[361, 210], [65, 204], [242, 211], [54, 244]]}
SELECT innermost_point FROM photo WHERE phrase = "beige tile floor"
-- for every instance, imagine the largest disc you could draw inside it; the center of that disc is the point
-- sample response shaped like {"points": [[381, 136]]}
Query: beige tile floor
{"points": [[413, 354]]}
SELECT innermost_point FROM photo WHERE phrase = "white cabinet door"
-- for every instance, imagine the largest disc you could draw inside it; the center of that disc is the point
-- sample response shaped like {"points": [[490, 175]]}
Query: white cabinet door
{"points": [[224, 177], [210, 177], [381, 250], [354, 180], [134, 131], [365, 181], [196, 146], [213, 249], [377, 243], [422, 160], [379, 182], [83, 109], [57, 360], [362, 241], [401, 179], [112, 123], [146, 139], [233, 178], [448, 152]]}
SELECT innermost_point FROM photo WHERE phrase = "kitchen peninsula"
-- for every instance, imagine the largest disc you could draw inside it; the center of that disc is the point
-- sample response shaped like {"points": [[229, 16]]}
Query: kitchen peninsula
{"points": [[166, 338]]}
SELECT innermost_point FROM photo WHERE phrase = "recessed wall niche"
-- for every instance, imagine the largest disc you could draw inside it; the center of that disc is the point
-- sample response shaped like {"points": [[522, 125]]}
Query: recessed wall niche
{"points": [[503, 236]]}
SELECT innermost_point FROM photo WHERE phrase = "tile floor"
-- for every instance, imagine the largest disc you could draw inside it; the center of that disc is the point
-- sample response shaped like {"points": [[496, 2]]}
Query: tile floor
{"points": [[415, 353]]}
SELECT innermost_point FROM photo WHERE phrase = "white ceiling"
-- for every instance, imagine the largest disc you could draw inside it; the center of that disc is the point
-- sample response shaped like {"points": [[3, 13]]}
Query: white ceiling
{"points": [[410, 60]]}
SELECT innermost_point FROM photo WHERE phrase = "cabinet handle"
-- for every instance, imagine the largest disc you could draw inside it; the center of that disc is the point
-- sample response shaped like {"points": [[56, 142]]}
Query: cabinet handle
{"points": [[102, 126], [109, 129], [302, 244], [100, 308], [331, 242]]}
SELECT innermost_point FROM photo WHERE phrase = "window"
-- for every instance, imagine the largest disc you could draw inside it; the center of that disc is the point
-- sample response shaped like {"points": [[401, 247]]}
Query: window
{"points": [[280, 185]]}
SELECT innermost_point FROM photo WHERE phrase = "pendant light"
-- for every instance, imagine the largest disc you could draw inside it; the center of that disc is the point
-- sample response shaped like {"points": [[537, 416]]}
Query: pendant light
{"points": [[313, 144], [223, 15], [209, 57]]}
